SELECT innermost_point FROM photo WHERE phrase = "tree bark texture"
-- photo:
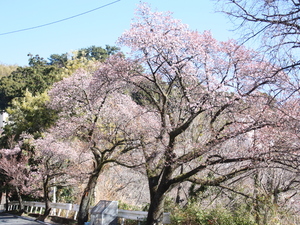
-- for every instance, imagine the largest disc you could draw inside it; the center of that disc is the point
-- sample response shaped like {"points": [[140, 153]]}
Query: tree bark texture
{"points": [[87, 197], [46, 199], [21, 205], [158, 188]]}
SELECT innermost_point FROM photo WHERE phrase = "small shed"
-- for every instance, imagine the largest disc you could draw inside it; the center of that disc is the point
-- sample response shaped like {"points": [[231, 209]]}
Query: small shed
{"points": [[105, 213]]}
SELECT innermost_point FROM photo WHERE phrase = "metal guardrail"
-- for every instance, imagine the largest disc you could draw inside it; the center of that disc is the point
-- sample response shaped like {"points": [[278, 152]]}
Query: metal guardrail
{"points": [[68, 207], [104, 213], [140, 215]]}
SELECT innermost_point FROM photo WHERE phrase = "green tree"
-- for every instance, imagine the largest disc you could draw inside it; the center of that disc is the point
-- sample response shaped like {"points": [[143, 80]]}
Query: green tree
{"points": [[28, 114], [97, 53], [6, 70], [58, 60], [35, 78], [41, 73], [90, 53]]}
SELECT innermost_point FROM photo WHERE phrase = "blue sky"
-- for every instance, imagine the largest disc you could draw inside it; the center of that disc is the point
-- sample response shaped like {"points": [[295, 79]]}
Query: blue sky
{"points": [[98, 28]]}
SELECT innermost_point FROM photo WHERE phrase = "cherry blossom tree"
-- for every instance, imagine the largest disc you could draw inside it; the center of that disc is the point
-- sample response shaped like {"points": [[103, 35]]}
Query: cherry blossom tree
{"points": [[14, 165], [54, 163], [272, 26], [276, 180], [205, 94], [34, 172], [96, 112]]}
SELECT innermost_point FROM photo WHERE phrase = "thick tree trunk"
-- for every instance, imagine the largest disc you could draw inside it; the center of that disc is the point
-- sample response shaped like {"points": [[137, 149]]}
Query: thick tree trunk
{"points": [[46, 200], [156, 209], [21, 205], [158, 189], [87, 197]]}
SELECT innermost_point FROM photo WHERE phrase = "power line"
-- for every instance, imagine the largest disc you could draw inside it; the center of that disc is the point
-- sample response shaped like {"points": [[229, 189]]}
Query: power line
{"points": [[58, 21]]}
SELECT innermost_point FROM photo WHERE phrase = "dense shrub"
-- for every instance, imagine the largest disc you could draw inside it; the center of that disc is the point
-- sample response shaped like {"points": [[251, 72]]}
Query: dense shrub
{"points": [[192, 214]]}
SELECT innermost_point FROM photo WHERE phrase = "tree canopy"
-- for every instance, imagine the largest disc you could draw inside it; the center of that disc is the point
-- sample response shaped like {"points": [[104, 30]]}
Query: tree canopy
{"points": [[40, 73], [273, 28], [181, 107], [6, 70], [35, 78], [205, 94]]}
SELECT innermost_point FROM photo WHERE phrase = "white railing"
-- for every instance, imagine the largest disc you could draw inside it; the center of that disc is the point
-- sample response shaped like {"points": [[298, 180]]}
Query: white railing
{"points": [[38, 207]]}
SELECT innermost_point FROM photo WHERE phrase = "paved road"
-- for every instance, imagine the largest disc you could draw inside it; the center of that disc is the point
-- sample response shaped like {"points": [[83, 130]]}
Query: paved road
{"points": [[14, 220]]}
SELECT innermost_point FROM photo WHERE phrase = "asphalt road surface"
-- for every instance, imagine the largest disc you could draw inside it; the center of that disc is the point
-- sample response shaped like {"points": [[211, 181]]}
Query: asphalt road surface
{"points": [[14, 220]]}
